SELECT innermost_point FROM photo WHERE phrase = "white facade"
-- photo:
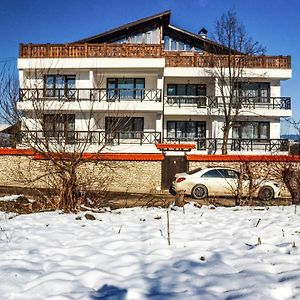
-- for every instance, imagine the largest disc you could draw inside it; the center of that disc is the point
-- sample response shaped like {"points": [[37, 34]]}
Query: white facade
{"points": [[155, 108]]}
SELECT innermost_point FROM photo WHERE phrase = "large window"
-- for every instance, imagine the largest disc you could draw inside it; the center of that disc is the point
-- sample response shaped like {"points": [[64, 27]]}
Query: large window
{"points": [[251, 130], [60, 126], [59, 86], [186, 130], [172, 44], [186, 89], [186, 94], [124, 127], [151, 36], [125, 88], [257, 91]]}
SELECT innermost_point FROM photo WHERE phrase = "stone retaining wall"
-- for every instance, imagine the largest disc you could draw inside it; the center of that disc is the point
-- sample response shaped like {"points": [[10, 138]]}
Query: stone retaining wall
{"points": [[130, 176]]}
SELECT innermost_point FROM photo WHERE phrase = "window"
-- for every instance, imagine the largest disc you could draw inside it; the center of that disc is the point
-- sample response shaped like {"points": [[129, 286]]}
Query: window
{"points": [[213, 174], [124, 127], [188, 130], [125, 88], [173, 44], [231, 174], [258, 92], [59, 86], [251, 130], [60, 126], [150, 36], [186, 89]]}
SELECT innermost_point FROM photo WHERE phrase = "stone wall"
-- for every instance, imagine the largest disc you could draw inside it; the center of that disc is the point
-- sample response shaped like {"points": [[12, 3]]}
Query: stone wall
{"points": [[131, 176]]}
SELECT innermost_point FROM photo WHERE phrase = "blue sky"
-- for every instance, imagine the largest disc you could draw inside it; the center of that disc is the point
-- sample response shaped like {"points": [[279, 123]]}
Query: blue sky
{"points": [[274, 23]]}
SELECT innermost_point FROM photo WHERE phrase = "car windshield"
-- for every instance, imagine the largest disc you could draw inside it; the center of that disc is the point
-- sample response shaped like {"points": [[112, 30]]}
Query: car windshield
{"points": [[193, 171]]}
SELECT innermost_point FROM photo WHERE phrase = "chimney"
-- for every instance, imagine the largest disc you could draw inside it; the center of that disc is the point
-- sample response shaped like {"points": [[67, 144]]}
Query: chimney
{"points": [[203, 33]]}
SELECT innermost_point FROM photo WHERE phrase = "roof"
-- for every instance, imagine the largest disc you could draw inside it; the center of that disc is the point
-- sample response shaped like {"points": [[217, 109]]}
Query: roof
{"points": [[207, 44], [3, 127], [10, 128], [163, 17]]}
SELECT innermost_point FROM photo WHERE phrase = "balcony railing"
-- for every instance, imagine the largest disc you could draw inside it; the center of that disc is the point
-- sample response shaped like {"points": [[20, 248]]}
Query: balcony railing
{"points": [[239, 102], [101, 137], [89, 50], [212, 145], [173, 58], [253, 102], [198, 101], [194, 59], [91, 94]]}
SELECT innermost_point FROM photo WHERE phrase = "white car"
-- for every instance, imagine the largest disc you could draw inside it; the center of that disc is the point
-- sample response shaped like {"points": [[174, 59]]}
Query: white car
{"points": [[221, 181]]}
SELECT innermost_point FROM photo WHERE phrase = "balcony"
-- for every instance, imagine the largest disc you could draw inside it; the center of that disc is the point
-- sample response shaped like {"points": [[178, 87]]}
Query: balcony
{"points": [[212, 145], [282, 103], [100, 137], [91, 99], [173, 58], [109, 95]]}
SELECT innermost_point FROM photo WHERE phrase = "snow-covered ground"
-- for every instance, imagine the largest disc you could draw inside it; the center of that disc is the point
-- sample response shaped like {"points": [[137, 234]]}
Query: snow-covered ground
{"points": [[124, 254]]}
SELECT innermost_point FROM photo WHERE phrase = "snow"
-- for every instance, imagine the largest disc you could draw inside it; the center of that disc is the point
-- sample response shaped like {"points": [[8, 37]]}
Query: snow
{"points": [[124, 254], [10, 198]]}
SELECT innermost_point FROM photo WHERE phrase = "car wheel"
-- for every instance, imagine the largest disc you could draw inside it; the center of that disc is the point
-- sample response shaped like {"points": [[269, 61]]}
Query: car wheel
{"points": [[199, 191], [266, 193]]}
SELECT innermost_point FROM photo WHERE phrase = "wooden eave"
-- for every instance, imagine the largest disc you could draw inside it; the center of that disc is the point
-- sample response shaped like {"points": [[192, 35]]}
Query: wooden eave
{"points": [[136, 26]]}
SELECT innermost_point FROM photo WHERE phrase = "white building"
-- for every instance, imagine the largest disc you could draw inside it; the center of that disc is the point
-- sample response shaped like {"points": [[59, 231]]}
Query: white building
{"points": [[145, 83]]}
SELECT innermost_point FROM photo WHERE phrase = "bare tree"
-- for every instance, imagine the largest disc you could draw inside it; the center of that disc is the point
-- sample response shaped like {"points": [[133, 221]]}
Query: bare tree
{"points": [[228, 67], [48, 128], [289, 172]]}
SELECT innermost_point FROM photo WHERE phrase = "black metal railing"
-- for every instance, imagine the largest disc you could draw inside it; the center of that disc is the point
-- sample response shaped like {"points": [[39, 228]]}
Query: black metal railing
{"points": [[94, 94], [198, 101], [252, 102], [91, 137], [212, 145], [238, 102]]}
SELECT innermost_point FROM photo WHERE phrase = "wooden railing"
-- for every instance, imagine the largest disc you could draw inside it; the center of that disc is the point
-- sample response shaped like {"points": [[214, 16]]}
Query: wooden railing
{"points": [[184, 59], [173, 58], [89, 50]]}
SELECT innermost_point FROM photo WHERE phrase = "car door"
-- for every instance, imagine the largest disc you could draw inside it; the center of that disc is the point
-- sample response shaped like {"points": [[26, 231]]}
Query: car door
{"points": [[215, 182], [231, 182]]}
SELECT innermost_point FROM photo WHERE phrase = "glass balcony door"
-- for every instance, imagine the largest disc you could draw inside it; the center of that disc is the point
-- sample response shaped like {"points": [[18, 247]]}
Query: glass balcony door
{"points": [[186, 130], [125, 88]]}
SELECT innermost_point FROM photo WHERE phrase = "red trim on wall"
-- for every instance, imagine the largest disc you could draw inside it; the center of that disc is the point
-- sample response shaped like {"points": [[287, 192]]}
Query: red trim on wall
{"points": [[111, 156], [125, 156], [14, 151], [243, 158]]}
